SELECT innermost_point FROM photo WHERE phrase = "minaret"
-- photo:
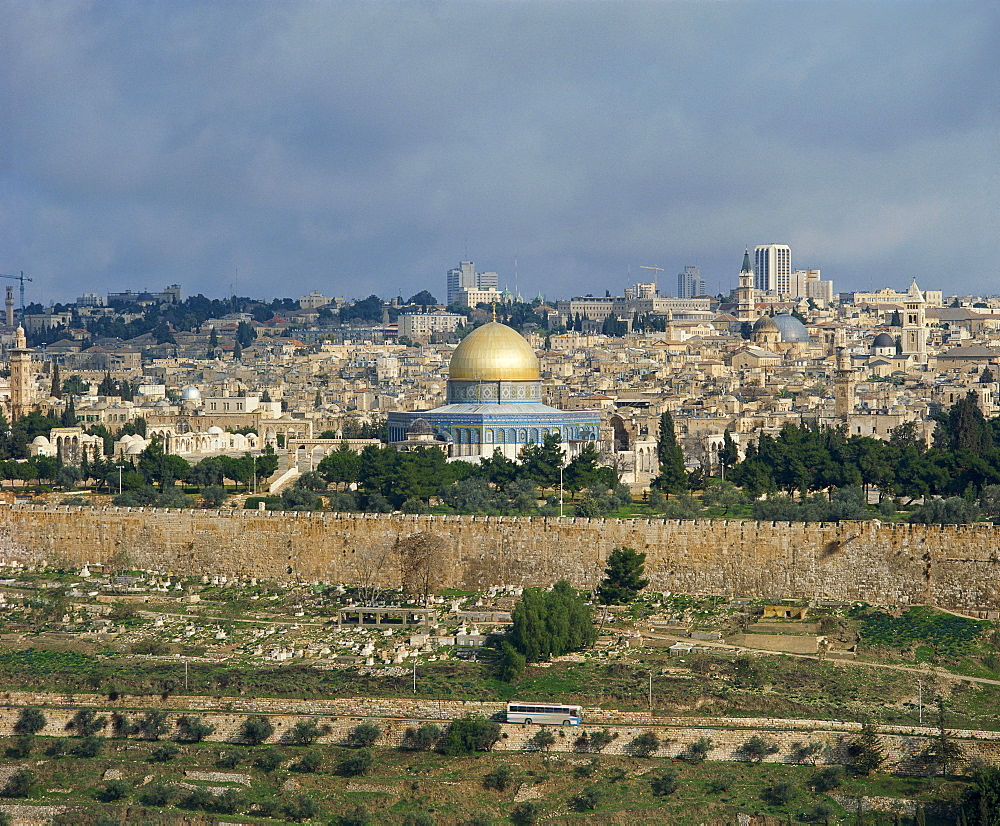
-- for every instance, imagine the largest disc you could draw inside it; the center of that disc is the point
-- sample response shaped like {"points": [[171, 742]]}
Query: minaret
{"points": [[20, 376], [9, 320], [746, 295], [843, 386], [914, 338]]}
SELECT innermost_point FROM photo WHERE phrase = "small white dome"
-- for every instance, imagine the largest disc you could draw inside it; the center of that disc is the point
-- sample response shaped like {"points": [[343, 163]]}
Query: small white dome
{"points": [[40, 441], [135, 449], [190, 393], [215, 430]]}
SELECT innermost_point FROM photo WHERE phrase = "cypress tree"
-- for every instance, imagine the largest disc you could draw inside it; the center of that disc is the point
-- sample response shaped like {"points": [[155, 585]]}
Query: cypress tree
{"points": [[672, 477]]}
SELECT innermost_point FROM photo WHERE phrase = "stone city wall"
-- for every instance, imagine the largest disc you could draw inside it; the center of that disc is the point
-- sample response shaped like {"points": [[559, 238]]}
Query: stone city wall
{"points": [[956, 567]]}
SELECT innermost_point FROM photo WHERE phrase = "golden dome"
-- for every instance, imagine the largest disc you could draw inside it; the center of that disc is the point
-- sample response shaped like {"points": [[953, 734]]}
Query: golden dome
{"points": [[494, 352]]}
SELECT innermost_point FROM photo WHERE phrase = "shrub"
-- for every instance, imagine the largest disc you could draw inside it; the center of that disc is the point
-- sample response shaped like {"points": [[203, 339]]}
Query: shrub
{"points": [[230, 802], [542, 740], [418, 818], [363, 735], [664, 783], [469, 734], [113, 791], [499, 778], [299, 808], [828, 778], [231, 759], [358, 816], [616, 774], [256, 729], [356, 764], [268, 760], [57, 748], [757, 748], [305, 732], [163, 753], [19, 783], [30, 721], [780, 794], [86, 722], [423, 738], [589, 798], [89, 747], [191, 728], [645, 744], [600, 739], [698, 750], [820, 813], [308, 763], [586, 771], [21, 746], [526, 813], [153, 724], [720, 782], [156, 794], [198, 799]]}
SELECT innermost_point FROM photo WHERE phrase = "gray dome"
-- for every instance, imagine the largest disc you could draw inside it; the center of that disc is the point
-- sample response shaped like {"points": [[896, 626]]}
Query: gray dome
{"points": [[420, 427], [792, 330], [884, 340], [190, 393], [765, 324]]}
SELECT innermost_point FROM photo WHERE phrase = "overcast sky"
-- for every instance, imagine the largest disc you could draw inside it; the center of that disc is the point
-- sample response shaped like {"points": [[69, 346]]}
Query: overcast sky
{"points": [[368, 147]]}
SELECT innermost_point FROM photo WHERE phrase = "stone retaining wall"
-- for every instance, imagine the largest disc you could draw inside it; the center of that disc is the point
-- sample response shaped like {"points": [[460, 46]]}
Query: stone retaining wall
{"points": [[904, 744]]}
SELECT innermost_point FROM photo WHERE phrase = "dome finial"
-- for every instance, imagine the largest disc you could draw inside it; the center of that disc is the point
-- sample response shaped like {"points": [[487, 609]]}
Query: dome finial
{"points": [[494, 311]]}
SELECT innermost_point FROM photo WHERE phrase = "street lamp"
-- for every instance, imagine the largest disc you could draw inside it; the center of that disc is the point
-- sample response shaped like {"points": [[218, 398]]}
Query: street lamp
{"points": [[560, 491], [119, 479]]}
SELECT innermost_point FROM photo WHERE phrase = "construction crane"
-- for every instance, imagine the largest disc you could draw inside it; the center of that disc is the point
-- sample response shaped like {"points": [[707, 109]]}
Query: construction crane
{"points": [[22, 278], [655, 269]]}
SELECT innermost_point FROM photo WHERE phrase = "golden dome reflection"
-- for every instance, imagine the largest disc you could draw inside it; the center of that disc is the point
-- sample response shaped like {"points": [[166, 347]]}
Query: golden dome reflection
{"points": [[494, 352]]}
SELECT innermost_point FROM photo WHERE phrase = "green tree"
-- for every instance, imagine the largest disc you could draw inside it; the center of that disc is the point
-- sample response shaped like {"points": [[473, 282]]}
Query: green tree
{"points": [[550, 624], [74, 386], [256, 729], [363, 735], [757, 748], [469, 734], [341, 466], [305, 732], [672, 477], [30, 721], [665, 783], [867, 749], [542, 462], [623, 577], [500, 778], [584, 472]]}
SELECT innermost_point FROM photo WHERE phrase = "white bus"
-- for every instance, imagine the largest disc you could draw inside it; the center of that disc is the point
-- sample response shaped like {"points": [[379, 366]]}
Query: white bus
{"points": [[541, 713]]}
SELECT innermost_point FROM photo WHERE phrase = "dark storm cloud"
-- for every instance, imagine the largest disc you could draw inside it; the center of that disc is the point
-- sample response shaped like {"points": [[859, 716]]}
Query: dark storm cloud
{"points": [[359, 147]]}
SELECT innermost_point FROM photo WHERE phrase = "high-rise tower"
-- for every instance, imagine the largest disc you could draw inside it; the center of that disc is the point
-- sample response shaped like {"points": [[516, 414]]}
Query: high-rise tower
{"points": [[773, 268], [690, 283]]}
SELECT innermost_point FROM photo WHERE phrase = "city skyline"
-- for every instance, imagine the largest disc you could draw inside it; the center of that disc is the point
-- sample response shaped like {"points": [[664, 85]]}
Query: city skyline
{"points": [[361, 149]]}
